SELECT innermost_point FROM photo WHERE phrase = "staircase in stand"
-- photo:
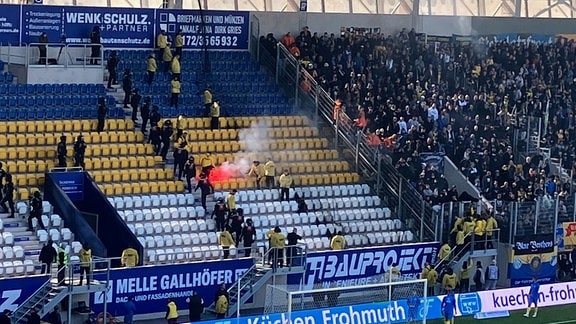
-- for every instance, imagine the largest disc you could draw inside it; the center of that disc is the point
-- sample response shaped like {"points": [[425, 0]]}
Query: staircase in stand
{"points": [[253, 280]]}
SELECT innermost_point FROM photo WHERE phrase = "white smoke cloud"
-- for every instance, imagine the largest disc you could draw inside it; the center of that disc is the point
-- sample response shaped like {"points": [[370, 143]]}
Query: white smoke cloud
{"points": [[256, 138]]}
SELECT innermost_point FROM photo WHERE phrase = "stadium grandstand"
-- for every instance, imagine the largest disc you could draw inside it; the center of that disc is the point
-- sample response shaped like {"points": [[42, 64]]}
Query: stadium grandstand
{"points": [[405, 132]]}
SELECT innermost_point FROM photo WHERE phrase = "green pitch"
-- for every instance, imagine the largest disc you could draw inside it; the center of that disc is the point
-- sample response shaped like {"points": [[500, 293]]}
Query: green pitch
{"points": [[547, 315]]}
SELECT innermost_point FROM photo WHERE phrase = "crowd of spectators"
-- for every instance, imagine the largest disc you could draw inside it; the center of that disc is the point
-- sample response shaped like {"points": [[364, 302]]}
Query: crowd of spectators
{"points": [[464, 99]]}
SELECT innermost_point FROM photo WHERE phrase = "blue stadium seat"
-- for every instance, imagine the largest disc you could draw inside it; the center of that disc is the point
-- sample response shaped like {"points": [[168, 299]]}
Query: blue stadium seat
{"points": [[8, 77], [12, 89], [85, 112], [76, 112], [58, 113], [83, 89], [30, 101], [48, 113], [12, 102], [84, 101], [75, 100], [66, 101], [12, 113], [65, 88], [29, 89], [74, 88], [3, 101], [48, 89], [3, 113], [68, 112], [3, 89], [40, 113], [21, 89]]}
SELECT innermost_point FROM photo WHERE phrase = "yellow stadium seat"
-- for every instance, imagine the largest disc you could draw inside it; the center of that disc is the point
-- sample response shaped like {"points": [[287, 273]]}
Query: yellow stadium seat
{"points": [[23, 194], [31, 126], [12, 128], [126, 190], [114, 150], [124, 162], [162, 186], [122, 137], [107, 137], [98, 176], [128, 124], [141, 162], [128, 150], [322, 155], [114, 163], [133, 162], [225, 186], [31, 166], [135, 188], [151, 160], [40, 139], [40, 166], [11, 166], [21, 127], [151, 175], [348, 178], [124, 175], [105, 163], [21, 140], [105, 150], [112, 124], [144, 187], [154, 188], [67, 125], [3, 127], [171, 186], [179, 186], [32, 179], [3, 141], [47, 153]]}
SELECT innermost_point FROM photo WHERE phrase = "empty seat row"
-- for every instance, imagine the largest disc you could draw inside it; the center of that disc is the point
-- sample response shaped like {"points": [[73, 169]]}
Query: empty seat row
{"points": [[299, 180], [366, 226], [246, 122], [41, 139], [184, 239], [126, 175], [12, 252], [59, 126], [278, 156], [55, 112], [16, 268], [54, 234], [163, 213], [147, 201], [186, 254], [303, 192], [142, 187], [56, 89], [122, 162]]}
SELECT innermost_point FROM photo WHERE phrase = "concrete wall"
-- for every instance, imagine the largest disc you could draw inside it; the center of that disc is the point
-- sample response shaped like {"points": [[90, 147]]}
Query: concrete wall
{"points": [[40, 74], [456, 178], [280, 23]]}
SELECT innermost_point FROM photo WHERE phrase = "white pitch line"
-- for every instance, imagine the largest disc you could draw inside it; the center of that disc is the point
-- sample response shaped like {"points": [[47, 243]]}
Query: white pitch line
{"points": [[563, 322]]}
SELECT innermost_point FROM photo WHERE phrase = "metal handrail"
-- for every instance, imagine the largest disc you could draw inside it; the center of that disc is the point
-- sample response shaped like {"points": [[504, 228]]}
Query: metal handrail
{"points": [[172, 257], [64, 49]]}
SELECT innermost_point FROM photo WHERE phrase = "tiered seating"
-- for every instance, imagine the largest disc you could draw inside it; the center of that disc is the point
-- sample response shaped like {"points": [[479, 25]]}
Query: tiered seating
{"points": [[236, 81], [183, 232], [20, 249], [289, 140], [52, 101]]}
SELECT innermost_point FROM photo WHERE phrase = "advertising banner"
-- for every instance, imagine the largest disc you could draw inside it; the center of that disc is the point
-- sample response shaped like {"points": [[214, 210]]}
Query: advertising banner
{"points": [[119, 27], [566, 235], [357, 266], [10, 25], [533, 255], [72, 183], [152, 286], [15, 291], [399, 312], [210, 29]]}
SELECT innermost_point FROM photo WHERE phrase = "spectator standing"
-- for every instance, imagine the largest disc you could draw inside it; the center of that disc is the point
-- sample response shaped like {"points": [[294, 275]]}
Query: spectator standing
{"points": [[36, 211], [277, 242], [338, 242], [55, 318], [43, 40], [257, 171], [62, 262], [47, 257], [161, 42], [145, 114], [175, 87], [102, 113], [492, 275], [5, 317], [167, 59], [166, 136], [129, 310], [95, 40], [180, 155], [189, 172], [286, 182], [221, 306], [8, 196], [175, 66], [208, 101], [155, 116], [127, 86], [479, 277], [464, 278], [155, 138], [226, 241], [195, 307], [215, 115], [231, 202], [449, 280], [79, 151], [152, 67], [178, 43], [207, 163], [135, 99], [444, 253], [61, 152], [206, 189], [85, 263], [112, 67], [171, 312], [248, 237], [130, 257], [459, 242], [219, 214], [479, 233], [292, 250], [33, 318], [270, 173], [236, 221], [491, 225], [432, 277]]}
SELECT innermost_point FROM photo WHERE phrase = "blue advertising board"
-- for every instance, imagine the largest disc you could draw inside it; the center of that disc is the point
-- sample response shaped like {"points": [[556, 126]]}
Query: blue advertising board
{"points": [[119, 27], [210, 29], [72, 183], [152, 286], [124, 27], [360, 266], [10, 25], [15, 291]]}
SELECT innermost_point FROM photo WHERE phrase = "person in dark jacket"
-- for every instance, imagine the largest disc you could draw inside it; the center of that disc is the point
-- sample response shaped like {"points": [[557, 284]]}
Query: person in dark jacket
{"points": [[219, 213], [155, 116], [54, 317], [95, 40], [166, 136], [33, 318], [5, 317], [195, 307], [155, 139], [47, 256], [8, 196], [127, 86], [36, 210], [236, 221], [190, 172], [145, 114], [43, 40], [112, 66], [291, 250], [135, 103], [206, 188], [61, 152], [102, 113], [248, 236], [79, 151]]}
